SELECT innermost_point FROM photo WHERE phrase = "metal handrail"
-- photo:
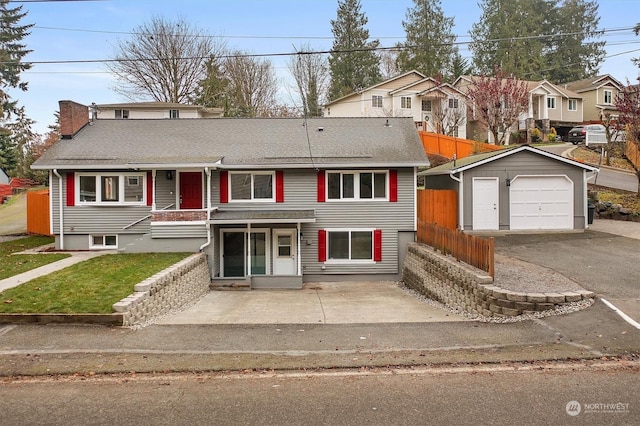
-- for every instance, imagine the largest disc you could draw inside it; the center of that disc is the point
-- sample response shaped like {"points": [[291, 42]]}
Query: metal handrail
{"points": [[146, 217]]}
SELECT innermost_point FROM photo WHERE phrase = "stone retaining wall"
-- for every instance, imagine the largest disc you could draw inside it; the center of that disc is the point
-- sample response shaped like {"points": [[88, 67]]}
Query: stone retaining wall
{"points": [[172, 288], [457, 285]]}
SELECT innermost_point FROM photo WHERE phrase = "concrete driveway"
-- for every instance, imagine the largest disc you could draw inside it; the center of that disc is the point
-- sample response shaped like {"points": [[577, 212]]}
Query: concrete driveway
{"points": [[316, 303]]}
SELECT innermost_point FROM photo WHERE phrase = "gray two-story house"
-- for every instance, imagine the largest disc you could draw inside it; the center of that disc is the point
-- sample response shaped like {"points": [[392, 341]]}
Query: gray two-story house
{"points": [[270, 200]]}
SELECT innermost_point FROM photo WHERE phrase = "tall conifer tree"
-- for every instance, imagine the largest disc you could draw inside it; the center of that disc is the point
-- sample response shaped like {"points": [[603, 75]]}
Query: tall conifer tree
{"points": [[353, 62], [428, 47]]}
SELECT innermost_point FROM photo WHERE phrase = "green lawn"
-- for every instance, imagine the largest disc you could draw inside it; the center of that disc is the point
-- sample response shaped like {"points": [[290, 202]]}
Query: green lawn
{"points": [[14, 264], [92, 286]]}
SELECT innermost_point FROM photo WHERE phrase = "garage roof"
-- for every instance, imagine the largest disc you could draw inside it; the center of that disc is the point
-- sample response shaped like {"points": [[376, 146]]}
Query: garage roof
{"points": [[472, 161]]}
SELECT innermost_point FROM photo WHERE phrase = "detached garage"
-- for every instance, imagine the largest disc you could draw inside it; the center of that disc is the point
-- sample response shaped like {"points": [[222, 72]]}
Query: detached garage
{"points": [[518, 189]]}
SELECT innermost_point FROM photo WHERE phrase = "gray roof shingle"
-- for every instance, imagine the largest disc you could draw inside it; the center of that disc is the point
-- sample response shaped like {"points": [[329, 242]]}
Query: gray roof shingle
{"points": [[233, 142]]}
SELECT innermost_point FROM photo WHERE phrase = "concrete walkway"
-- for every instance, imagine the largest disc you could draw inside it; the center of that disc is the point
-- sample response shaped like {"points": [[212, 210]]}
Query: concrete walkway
{"points": [[76, 257]]}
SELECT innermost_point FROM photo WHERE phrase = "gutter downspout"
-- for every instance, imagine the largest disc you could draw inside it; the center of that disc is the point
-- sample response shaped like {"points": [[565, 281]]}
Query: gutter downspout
{"points": [[60, 207], [207, 171], [460, 199]]}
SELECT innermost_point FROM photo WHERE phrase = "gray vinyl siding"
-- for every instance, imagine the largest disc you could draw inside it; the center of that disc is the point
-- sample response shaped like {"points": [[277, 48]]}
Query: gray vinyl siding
{"points": [[165, 191], [300, 192], [179, 231], [522, 164]]}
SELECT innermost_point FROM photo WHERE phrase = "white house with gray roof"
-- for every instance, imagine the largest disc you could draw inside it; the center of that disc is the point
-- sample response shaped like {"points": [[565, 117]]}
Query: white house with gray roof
{"points": [[273, 201]]}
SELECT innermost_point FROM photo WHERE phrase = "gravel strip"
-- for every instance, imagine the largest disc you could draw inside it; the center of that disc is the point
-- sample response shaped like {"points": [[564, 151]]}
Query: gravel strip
{"points": [[518, 275]]}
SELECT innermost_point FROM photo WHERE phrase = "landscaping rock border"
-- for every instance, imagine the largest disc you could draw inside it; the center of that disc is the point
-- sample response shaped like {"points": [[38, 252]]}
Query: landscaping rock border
{"points": [[460, 286]]}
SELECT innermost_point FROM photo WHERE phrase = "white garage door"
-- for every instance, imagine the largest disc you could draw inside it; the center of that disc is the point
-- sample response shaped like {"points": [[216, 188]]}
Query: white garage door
{"points": [[541, 202]]}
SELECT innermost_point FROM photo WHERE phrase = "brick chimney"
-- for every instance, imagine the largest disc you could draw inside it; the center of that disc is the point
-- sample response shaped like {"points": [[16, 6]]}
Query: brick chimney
{"points": [[73, 117]]}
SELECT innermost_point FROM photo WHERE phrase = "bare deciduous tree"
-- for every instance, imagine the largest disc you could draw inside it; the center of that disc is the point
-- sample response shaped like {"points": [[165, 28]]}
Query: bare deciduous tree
{"points": [[252, 87], [164, 61], [498, 101], [311, 74], [447, 114]]}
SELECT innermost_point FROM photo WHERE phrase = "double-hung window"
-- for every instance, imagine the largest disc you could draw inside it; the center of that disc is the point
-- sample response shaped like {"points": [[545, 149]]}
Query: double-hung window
{"points": [[376, 101], [453, 103], [110, 188], [255, 186], [405, 102], [551, 102], [357, 185], [608, 97], [573, 104], [174, 114]]}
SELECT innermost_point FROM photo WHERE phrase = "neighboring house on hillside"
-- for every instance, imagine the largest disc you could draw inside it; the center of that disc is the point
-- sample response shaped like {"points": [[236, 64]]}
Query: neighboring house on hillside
{"points": [[518, 189], [599, 96], [157, 110], [549, 106], [433, 106], [323, 198]]}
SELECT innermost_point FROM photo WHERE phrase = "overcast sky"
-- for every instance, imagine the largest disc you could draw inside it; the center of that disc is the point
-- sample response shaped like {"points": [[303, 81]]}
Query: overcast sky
{"points": [[88, 30]]}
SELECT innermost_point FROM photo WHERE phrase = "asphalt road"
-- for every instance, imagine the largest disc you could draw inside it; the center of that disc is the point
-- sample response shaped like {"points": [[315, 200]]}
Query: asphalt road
{"points": [[608, 177], [498, 395]]}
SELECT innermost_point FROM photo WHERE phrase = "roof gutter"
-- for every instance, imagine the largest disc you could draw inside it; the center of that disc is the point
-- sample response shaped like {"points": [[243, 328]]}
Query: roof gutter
{"points": [[460, 198], [60, 207]]}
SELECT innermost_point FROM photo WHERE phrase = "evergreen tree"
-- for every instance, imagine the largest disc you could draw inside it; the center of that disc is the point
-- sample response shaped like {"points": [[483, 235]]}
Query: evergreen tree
{"points": [[507, 37], [459, 66], [575, 55], [8, 153], [353, 62], [212, 90], [428, 47], [538, 39], [12, 51]]}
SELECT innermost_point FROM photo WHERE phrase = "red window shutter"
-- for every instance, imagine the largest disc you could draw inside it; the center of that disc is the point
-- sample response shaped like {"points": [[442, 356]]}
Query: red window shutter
{"points": [[224, 186], [377, 245], [279, 186], [393, 186], [322, 245], [149, 189], [321, 190], [71, 189]]}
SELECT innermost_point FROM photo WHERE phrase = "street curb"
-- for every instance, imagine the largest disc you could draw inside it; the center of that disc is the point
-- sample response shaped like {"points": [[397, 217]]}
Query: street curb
{"points": [[115, 319]]}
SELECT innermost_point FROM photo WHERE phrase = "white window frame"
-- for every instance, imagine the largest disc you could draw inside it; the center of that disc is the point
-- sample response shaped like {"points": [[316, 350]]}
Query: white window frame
{"points": [[272, 199], [608, 94], [174, 114], [350, 261], [104, 244], [121, 189], [551, 102], [454, 103], [376, 101], [572, 102], [405, 102], [356, 185]]}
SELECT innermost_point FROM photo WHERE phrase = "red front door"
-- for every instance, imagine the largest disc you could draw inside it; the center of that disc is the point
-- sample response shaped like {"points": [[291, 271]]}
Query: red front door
{"points": [[190, 190]]}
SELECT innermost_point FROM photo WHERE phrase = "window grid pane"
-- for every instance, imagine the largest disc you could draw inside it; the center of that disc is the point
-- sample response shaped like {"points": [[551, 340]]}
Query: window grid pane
{"points": [[380, 185], [262, 186], [240, 186], [361, 245], [338, 245], [110, 188], [333, 185], [348, 185], [87, 188], [366, 185]]}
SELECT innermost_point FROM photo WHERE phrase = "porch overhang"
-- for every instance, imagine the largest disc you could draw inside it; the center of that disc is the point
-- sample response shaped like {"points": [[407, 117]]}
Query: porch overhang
{"points": [[229, 217]]}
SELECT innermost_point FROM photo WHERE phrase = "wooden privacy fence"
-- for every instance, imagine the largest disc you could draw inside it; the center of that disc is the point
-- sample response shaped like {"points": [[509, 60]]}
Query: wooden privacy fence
{"points": [[472, 250], [632, 152], [439, 206], [448, 146], [38, 212]]}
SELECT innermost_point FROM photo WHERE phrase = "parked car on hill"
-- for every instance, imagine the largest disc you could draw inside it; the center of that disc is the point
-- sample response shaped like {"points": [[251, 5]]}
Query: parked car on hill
{"points": [[588, 133]]}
